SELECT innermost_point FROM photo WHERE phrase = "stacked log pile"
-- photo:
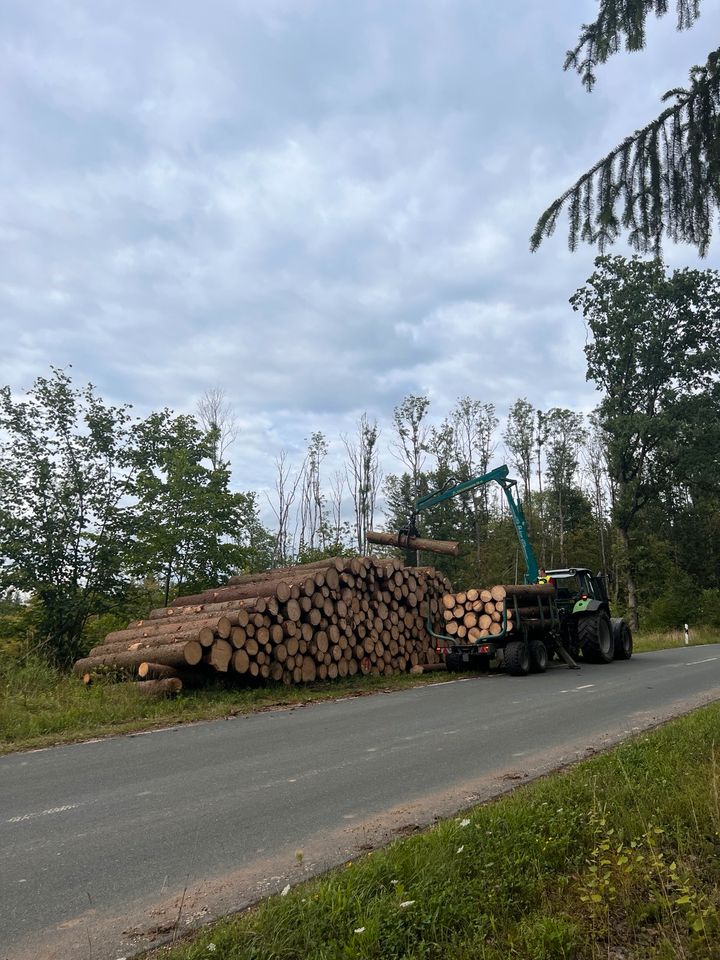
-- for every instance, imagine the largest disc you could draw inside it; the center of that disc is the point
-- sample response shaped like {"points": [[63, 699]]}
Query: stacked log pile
{"points": [[333, 618], [474, 615]]}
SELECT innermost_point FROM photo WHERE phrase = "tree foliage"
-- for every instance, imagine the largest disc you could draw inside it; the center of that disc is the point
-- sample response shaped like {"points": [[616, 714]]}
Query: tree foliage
{"points": [[185, 519], [94, 503], [65, 471], [654, 356], [664, 179]]}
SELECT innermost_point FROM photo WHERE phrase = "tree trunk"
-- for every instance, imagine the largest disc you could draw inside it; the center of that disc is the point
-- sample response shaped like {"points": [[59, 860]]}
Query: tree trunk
{"points": [[633, 619]]}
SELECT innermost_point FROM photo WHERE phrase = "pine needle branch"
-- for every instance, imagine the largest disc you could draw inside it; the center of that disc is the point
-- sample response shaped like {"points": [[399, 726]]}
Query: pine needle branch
{"points": [[619, 20], [665, 177]]}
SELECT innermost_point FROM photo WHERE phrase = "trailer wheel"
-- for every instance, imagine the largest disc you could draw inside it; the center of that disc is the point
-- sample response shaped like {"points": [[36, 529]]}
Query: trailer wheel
{"points": [[595, 637], [517, 658], [538, 657], [622, 639]]}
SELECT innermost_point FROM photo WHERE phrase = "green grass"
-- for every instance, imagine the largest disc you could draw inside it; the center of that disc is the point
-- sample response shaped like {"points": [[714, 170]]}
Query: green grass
{"points": [[646, 640], [40, 706], [615, 858]]}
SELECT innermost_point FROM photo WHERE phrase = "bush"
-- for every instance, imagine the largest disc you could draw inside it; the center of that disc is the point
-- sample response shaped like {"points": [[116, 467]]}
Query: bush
{"points": [[710, 608]]}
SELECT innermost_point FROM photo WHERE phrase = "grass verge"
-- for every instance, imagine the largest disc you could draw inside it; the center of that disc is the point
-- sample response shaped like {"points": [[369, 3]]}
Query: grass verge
{"points": [[646, 640], [615, 858], [40, 706]]}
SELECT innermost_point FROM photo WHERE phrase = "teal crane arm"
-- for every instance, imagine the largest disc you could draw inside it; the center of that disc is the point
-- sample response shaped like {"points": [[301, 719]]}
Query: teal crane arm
{"points": [[500, 476]]}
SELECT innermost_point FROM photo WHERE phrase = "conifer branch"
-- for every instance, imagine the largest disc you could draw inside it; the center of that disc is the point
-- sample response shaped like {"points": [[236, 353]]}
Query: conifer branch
{"points": [[665, 178], [618, 19]]}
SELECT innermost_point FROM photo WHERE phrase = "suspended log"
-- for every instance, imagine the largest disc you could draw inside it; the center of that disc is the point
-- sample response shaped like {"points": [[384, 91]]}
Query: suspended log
{"points": [[449, 548]]}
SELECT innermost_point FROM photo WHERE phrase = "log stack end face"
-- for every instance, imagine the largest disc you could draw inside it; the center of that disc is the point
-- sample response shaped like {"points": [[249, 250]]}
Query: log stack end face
{"points": [[333, 618]]}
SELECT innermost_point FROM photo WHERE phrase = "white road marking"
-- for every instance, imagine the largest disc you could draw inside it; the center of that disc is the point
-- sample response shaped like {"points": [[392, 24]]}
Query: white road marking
{"points": [[43, 813], [692, 663], [585, 686]]}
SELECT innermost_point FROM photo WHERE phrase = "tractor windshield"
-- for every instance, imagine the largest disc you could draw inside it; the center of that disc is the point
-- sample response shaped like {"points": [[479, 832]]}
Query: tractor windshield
{"points": [[568, 587]]}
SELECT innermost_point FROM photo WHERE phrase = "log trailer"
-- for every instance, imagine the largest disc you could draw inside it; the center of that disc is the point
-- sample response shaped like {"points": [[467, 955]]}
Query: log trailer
{"points": [[567, 616]]}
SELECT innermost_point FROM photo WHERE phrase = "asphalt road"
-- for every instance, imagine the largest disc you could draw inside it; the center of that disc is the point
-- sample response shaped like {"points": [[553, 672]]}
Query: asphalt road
{"points": [[109, 846]]}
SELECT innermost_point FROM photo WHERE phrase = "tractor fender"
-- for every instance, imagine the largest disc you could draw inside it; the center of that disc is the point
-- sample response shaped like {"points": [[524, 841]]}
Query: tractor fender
{"points": [[588, 606]]}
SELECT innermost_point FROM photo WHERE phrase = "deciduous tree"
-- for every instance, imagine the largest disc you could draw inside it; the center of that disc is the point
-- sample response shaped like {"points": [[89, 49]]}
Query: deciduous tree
{"points": [[654, 356], [65, 474]]}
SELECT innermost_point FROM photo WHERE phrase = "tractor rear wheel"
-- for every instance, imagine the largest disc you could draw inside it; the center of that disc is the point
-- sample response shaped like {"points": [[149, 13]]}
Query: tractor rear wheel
{"points": [[595, 638], [538, 657], [622, 639], [517, 658]]}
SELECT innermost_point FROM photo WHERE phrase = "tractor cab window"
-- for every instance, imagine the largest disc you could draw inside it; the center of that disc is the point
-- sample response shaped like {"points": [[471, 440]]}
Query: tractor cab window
{"points": [[567, 587]]}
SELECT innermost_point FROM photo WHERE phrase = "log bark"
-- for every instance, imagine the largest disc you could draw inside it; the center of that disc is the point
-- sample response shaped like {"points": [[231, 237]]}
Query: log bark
{"points": [[258, 604], [428, 668], [158, 688], [519, 590], [448, 548], [156, 671], [155, 628], [280, 588], [177, 654], [337, 563]]}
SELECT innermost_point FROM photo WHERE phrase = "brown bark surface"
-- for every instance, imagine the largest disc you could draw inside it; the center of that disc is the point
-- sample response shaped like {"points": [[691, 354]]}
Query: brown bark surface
{"points": [[449, 548]]}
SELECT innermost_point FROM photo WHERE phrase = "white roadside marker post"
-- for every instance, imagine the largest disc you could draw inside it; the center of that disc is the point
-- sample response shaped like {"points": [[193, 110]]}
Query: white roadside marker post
{"points": [[687, 635]]}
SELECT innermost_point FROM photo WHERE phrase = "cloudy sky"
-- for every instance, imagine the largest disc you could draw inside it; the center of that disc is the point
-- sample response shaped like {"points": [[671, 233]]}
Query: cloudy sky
{"points": [[319, 206]]}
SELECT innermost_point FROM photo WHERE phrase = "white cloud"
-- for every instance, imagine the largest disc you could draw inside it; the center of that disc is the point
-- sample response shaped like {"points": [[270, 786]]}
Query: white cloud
{"points": [[319, 207]]}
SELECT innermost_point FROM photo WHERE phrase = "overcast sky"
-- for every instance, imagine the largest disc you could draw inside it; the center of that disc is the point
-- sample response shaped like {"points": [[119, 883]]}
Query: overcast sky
{"points": [[317, 205]]}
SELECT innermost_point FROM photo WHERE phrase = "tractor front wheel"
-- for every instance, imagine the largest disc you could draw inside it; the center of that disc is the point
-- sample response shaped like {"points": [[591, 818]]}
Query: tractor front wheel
{"points": [[595, 638]]}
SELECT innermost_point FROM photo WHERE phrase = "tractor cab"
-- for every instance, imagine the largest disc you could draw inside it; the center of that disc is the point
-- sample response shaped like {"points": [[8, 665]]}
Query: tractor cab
{"points": [[578, 590]]}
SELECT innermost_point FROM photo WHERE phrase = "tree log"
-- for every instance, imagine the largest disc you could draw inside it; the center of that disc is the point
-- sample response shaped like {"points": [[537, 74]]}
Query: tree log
{"points": [[337, 563], [220, 655], [524, 590], [156, 671], [158, 688], [176, 654], [448, 548]]}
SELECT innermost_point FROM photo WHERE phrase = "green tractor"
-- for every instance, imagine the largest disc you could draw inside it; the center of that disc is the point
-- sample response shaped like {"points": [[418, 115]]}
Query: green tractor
{"points": [[586, 625]]}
